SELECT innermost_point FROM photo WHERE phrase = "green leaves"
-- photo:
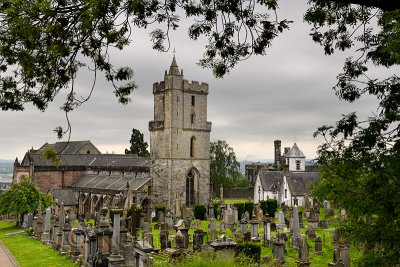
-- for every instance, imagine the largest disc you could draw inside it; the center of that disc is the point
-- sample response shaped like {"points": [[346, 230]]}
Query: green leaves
{"points": [[224, 168], [138, 145], [23, 197]]}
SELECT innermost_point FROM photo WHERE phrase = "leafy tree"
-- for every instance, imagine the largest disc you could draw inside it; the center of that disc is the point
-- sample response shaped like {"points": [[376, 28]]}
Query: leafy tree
{"points": [[138, 145], [224, 168], [359, 162], [23, 197], [241, 182]]}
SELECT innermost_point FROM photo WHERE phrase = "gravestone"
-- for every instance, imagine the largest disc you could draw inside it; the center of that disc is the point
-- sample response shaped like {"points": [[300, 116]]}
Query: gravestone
{"points": [[169, 220], [198, 239], [179, 240], [247, 215], [30, 220], [323, 224], [160, 217], [326, 206], [222, 228], [103, 233], [254, 229], [301, 219], [247, 237], [210, 210], [116, 258], [239, 236], [66, 231], [281, 223], [310, 233], [149, 239], [61, 221], [318, 245], [243, 224], [279, 251], [303, 252], [260, 216], [296, 228], [267, 234], [335, 236], [336, 261], [46, 234], [39, 223]]}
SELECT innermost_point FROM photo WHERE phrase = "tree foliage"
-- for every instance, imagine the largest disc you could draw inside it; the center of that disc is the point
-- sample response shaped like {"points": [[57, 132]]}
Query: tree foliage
{"points": [[44, 44], [23, 197], [224, 168], [138, 145], [359, 162]]}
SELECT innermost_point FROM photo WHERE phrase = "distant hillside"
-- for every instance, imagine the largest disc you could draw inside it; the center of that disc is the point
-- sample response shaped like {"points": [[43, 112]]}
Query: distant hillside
{"points": [[6, 166]]}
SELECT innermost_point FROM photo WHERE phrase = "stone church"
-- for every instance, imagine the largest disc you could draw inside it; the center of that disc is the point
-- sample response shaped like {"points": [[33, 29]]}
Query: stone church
{"points": [[178, 170]]}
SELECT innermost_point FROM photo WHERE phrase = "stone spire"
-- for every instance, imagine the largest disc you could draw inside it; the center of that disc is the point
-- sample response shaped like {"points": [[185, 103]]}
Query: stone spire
{"points": [[174, 69]]}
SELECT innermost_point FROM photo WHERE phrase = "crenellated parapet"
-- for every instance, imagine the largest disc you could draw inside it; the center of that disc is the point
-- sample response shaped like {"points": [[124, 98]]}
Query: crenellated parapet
{"points": [[195, 86], [190, 87]]}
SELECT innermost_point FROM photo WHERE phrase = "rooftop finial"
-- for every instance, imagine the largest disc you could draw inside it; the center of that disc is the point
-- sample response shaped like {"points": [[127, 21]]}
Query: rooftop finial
{"points": [[174, 69]]}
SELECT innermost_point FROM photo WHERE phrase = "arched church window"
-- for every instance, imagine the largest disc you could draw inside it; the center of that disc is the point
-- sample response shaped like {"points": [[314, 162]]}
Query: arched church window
{"points": [[190, 189], [192, 146]]}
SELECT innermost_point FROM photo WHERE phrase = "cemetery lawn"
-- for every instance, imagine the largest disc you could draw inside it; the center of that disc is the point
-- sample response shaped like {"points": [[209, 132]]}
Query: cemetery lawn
{"points": [[30, 252], [321, 259]]}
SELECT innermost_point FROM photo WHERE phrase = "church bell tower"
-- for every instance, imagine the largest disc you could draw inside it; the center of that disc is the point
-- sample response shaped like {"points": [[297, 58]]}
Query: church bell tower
{"points": [[180, 141]]}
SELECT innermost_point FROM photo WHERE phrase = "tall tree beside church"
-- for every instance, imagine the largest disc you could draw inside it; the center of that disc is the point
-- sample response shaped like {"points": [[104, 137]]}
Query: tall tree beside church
{"points": [[138, 145], [224, 168]]}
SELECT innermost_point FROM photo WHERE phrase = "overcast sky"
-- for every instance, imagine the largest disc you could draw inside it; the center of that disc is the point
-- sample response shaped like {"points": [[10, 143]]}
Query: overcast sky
{"points": [[284, 95]]}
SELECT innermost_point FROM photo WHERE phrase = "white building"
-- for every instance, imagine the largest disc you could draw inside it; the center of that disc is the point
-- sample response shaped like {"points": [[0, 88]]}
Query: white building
{"points": [[289, 185]]}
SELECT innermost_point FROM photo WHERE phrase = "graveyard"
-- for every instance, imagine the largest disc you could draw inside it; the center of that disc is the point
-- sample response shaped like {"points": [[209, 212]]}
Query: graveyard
{"points": [[293, 236]]}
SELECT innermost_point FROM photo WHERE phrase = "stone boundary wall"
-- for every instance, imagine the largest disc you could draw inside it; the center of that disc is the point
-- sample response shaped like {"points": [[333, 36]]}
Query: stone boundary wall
{"points": [[237, 193]]}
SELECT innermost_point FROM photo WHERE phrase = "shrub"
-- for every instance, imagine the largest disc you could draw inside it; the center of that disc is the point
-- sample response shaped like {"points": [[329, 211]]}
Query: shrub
{"points": [[216, 202], [200, 211], [250, 250], [138, 212], [272, 207], [264, 206], [243, 207]]}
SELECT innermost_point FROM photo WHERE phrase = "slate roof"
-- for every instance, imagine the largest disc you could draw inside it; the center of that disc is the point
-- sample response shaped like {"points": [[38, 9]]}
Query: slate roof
{"points": [[71, 147], [65, 196], [295, 152], [270, 178], [94, 160], [112, 182], [298, 181]]}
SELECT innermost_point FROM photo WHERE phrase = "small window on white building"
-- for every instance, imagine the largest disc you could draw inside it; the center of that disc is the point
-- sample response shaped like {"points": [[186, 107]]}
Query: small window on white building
{"points": [[298, 165], [285, 193]]}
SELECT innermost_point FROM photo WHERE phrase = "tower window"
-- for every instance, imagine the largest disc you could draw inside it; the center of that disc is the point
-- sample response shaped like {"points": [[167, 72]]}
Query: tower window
{"points": [[163, 101], [190, 189], [298, 165], [192, 118], [193, 100], [192, 144]]}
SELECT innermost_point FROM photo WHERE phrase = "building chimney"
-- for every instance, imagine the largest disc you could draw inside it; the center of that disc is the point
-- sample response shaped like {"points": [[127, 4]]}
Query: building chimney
{"points": [[277, 144]]}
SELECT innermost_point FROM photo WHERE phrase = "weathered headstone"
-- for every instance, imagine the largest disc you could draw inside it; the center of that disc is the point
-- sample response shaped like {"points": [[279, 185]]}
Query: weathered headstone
{"points": [[247, 237], [238, 236], [198, 239], [281, 223], [318, 245], [222, 228], [46, 234], [310, 233], [254, 229], [303, 252], [243, 224], [115, 258], [267, 234], [179, 240], [301, 219], [39, 223], [336, 261], [169, 219], [323, 224], [296, 228], [279, 251]]}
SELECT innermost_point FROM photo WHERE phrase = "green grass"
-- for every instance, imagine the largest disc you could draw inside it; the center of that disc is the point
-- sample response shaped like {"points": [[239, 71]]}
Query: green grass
{"points": [[30, 252]]}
